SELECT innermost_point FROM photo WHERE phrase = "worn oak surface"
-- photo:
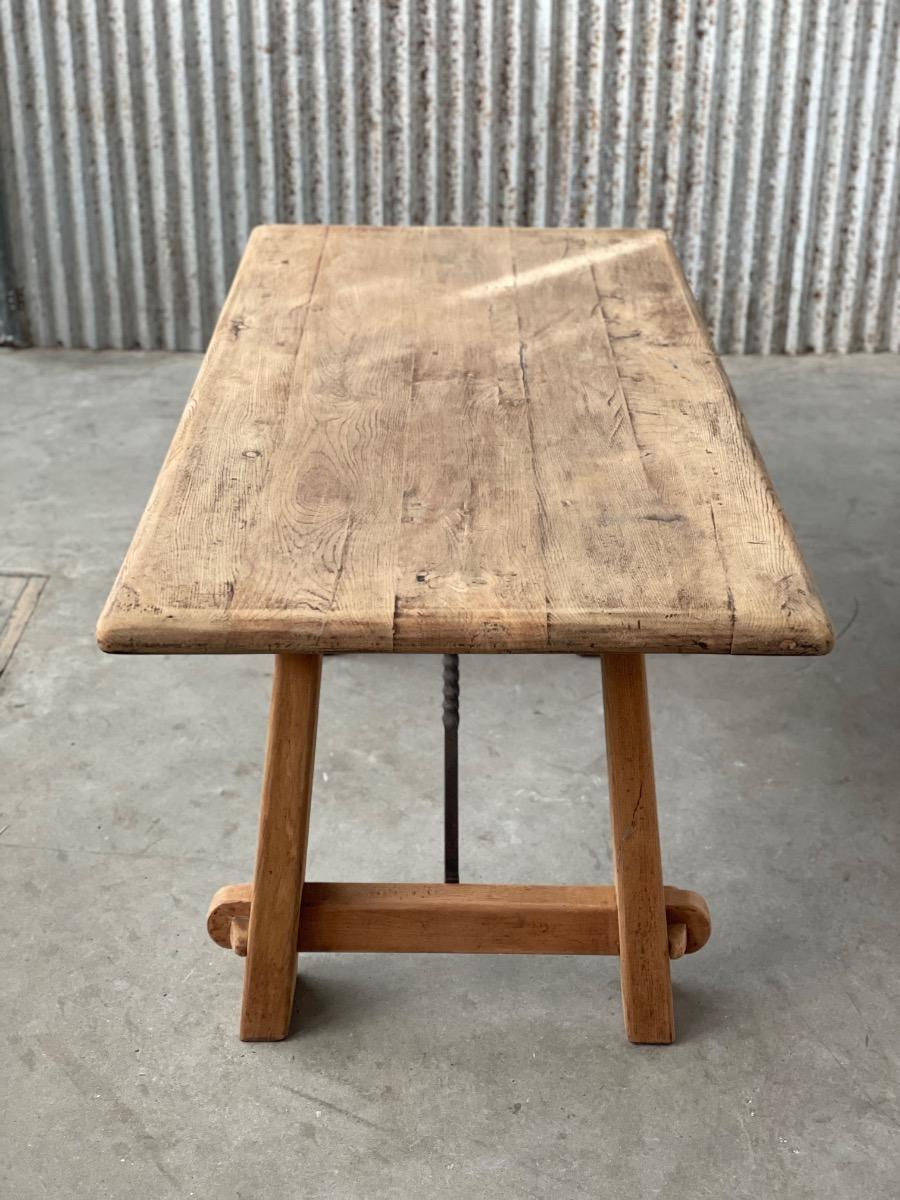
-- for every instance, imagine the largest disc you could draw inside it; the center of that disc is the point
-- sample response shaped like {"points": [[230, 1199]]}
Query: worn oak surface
{"points": [[462, 440]]}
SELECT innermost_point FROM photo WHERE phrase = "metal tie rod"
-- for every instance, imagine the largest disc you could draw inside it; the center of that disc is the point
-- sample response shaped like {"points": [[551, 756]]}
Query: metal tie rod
{"points": [[451, 768]]}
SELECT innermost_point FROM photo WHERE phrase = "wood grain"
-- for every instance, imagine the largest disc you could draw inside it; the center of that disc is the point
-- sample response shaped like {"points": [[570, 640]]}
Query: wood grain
{"points": [[460, 918], [462, 440], [270, 975], [640, 899]]}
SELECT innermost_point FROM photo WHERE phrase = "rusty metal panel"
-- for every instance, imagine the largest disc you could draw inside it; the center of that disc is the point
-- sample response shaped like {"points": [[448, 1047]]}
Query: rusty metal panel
{"points": [[142, 140]]}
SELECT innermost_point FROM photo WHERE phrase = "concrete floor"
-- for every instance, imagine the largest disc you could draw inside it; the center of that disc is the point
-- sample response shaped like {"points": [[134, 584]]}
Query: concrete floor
{"points": [[129, 793]]}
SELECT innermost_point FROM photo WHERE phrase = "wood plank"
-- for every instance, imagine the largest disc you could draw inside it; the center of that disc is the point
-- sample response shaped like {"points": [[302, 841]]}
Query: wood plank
{"points": [[703, 456], [334, 490], [270, 975], [462, 440], [466, 918], [640, 899], [598, 485], [468, 576], [209, 511]]}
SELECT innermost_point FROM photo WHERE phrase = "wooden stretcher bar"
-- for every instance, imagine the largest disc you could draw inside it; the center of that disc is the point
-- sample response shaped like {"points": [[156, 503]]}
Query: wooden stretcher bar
{"points": [[468, 918]]}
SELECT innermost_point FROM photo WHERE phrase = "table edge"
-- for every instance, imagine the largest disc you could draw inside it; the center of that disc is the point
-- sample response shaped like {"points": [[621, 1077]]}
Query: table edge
{"points": [[176, 633]]}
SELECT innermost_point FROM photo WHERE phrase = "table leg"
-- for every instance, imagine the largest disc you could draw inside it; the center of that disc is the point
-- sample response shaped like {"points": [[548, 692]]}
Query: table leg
{"points": [[271, 971], [643, 937]]}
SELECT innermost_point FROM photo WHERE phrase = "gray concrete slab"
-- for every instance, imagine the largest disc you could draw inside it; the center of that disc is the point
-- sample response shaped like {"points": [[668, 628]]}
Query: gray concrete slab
{"points": [[128, 793]]}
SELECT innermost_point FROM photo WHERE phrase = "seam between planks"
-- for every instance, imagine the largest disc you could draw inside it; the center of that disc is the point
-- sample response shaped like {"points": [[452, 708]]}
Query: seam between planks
{"points": [[395, 616], [309, 303], [529, 424]]}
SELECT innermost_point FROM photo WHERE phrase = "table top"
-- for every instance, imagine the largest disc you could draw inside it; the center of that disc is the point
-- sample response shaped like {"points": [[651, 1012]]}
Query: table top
{"points": [[462, 440]]}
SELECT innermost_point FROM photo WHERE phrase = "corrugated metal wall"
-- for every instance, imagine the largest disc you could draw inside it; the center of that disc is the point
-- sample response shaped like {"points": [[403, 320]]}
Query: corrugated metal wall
{"points": [[143, 138]]}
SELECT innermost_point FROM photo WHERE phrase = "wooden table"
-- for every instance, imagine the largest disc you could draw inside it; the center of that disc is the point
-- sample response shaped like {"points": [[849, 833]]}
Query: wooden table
{"points": [[461, 441]]}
